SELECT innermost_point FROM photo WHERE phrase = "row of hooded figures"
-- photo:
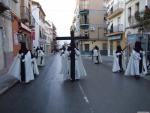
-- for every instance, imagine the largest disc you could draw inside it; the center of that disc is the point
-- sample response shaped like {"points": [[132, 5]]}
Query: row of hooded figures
{"points": [[136, 65], [25, 64]]}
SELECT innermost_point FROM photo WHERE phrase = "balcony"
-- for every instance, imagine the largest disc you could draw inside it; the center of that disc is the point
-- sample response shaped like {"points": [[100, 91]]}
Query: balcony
{"points": [[116, 10], [25, 14], [4, 5], [84, 22], [115, 28], [132, 21]]}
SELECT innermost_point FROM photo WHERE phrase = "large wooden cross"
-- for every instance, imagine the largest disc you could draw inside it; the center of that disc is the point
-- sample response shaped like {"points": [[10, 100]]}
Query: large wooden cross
{"points": [[72, 54]]}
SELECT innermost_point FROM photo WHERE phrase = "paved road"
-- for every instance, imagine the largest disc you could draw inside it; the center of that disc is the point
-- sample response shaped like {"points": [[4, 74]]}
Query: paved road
{"points": [[100, 92]]}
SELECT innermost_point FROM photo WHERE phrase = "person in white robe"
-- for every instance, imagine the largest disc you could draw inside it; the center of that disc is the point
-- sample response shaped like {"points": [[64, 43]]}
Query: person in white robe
{"points": [[34, 64], [65, 63], [15, 68], [96, 55], [21, 67], [41, 58], [137, 62], [80, 71], [117, 63], [29, 75]]}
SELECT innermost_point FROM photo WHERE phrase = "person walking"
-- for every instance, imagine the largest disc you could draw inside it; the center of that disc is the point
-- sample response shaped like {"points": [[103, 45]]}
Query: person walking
{"points": [[96, 55], [117, 63], [41, 57], [137, 63]]}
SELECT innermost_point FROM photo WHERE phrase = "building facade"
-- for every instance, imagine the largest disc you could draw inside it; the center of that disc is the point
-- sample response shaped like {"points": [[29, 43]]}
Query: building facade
{"points": [[39, 16], [135, 28], [49, 36], [89, 22], [115, 19], [24, 34], [9, 17]]}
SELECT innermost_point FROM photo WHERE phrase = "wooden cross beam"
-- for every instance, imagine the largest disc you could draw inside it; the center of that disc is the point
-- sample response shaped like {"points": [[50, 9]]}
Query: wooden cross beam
{"points": [[70, 38]]}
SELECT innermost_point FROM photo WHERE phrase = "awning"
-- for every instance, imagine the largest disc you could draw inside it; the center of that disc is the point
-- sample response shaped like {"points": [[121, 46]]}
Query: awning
{"points": [[23, 26], [114, 37], [85, 11]]}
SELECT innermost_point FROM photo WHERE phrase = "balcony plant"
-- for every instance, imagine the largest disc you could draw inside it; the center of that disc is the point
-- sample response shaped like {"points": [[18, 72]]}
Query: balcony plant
{"points": [[143, 17]]}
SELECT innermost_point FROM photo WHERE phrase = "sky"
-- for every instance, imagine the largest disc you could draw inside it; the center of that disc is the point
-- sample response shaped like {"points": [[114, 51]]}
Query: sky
{"points": [[61, 13]]}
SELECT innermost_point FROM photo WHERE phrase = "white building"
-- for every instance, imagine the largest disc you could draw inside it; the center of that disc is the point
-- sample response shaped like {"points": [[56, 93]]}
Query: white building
{"points": [[115, 19], [39, 17], [133, 30], [48, 31], [7, 9]]}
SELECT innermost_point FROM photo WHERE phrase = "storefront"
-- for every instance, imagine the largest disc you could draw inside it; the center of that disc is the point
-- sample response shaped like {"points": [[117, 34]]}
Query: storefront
{"points": [[132, 38], [113, 41], [24, 35]]}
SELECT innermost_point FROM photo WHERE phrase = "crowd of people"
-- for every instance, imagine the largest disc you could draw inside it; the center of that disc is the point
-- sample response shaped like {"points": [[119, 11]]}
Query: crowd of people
{"points": [[25, 64], [136, 65], [66, 64]]}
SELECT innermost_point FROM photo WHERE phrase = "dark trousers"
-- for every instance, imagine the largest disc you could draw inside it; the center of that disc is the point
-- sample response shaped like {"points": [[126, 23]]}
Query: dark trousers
{"points": [[120, 63], [97, 59], [140, 66], [22, 71], [41, 60]]}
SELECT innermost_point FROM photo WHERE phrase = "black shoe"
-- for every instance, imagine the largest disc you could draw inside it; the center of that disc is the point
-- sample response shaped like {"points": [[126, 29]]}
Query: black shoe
{"points": [[137, 76]]}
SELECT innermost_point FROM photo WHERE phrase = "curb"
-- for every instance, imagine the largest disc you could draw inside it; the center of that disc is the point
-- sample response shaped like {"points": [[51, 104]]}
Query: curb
{"points": [[4, 89]]}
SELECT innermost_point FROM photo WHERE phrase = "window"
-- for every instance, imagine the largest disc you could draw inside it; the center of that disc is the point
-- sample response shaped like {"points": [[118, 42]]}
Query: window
{"points": [[129, 12], [137, 6], [86, 47], [104, 46], [119, 20]]}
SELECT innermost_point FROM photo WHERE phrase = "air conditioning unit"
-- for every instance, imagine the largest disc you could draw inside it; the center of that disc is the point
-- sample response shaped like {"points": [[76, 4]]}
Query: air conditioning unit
{"points": [[92, 28]]}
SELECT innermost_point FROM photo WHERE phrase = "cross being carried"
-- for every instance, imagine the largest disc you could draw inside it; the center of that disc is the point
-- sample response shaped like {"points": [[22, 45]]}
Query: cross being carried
{"points": [[72, 48]]}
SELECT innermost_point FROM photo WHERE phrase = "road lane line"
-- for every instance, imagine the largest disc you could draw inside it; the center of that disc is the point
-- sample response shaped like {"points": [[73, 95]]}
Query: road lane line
{"points": [[85, 97]]}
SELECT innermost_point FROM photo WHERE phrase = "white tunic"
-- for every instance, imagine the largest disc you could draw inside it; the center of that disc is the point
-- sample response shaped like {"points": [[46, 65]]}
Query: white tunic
{"points": [[29, 76], [133, 65], [79, 67], [96, 53], [40, 56], [15, 68], [116, 66], [65, 65], [35, 67]]}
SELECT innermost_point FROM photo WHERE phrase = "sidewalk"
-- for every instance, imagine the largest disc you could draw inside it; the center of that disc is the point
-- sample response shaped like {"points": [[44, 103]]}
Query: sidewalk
{"points": [[6, 82]]}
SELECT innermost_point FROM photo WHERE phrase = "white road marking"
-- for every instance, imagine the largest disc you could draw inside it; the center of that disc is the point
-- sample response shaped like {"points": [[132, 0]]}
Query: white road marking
{"points": [[85, 98]]}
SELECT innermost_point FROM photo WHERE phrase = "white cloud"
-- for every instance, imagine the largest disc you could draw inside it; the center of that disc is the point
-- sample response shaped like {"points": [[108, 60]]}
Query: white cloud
{"points": [[60, 12]]}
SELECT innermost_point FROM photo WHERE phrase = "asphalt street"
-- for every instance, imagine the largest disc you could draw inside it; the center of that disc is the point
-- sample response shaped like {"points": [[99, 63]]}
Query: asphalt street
{"points": [[100, 92]]}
